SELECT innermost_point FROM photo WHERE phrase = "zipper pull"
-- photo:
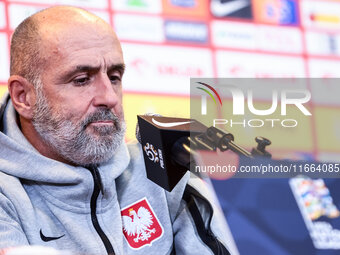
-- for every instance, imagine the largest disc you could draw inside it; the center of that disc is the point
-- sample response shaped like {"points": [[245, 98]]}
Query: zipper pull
{"points": [[97, 178]]}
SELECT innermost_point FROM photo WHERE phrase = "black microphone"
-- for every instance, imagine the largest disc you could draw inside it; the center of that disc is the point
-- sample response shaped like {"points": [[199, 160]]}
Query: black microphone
{"points": [[166, 147], [137, 132], [170, 146]]}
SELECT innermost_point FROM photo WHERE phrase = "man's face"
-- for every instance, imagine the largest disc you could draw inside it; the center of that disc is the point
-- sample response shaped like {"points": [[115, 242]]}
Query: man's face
{"points": [[78, 112]]}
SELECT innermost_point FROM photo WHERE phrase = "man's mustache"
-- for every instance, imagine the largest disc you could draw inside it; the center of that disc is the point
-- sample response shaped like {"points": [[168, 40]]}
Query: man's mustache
{"points": [[101, 115]]}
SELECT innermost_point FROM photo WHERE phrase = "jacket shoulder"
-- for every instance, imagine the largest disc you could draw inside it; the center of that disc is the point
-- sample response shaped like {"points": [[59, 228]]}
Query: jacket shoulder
{"points": [[11, 191], [12, 188], [9, 182]]}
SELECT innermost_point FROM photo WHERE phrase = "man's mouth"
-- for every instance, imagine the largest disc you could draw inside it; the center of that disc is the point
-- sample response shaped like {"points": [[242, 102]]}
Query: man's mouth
{"points": [[103, 119], [101, 122]]}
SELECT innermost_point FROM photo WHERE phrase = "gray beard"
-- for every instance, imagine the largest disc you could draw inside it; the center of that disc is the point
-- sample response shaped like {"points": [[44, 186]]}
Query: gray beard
{"points": [[71, 141]]}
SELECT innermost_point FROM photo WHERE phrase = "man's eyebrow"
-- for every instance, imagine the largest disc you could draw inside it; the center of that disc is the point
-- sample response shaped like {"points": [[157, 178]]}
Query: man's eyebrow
{"points": [[93, 69], [80, 68], [116, 67], [86, 68]]}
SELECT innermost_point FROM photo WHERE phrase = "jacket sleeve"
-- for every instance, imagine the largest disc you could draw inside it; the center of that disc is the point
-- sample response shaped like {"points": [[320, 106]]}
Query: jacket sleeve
{"points": [[11, 233], [192, 238]]}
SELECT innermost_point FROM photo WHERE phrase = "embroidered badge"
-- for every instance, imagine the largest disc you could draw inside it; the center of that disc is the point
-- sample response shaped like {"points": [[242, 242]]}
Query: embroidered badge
{"points": [[140, 224]]}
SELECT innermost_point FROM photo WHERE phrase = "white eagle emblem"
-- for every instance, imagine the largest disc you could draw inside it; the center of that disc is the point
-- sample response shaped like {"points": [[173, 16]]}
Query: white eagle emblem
{"points": [[140, 224]]}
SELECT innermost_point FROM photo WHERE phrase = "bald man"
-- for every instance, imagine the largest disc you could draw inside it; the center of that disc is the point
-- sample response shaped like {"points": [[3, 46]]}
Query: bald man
{"points": [[67, 179]]}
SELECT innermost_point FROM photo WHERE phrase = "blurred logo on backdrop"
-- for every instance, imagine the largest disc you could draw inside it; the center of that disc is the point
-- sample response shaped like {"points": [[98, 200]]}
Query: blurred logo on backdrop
{"points": [[317, 208], [196, 8], [183, 3], [183, 31], [149, 6], [141, 28], [137, 3], [281, 12], [323, 43], [241, 35], [231, 8], [320, 14]]}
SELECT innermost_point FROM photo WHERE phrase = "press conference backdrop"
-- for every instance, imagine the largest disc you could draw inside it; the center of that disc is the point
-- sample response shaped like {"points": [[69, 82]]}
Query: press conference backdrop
{"points": [[167, 41]]}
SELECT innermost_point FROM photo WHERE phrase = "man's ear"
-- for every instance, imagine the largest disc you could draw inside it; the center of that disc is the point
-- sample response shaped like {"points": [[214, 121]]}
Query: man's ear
{"points": [[22, 95]]}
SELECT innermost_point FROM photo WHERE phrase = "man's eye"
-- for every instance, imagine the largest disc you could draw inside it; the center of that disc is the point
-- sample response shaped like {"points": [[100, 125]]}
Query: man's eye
{"points": [[81, 81], [115, 79]]}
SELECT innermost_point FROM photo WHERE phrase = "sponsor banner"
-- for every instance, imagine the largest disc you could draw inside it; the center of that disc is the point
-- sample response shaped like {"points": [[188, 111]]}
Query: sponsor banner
{"points": [[183, 31], [231, 9], [281, 12], [234, 34], [151, 104], [253, 65], [167, 71], [280, 39], [2, 15], [4, 59], [320, 14], [327, 124], [98, 4], [322, 43], [139, 28], [194, 8], [322, 68], [148, 6], [319, 211], [256, 37]]}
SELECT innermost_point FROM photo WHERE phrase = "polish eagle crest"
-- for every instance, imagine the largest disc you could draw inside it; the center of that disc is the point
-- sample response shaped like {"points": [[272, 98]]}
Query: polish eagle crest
{"points": [[140, 224]]}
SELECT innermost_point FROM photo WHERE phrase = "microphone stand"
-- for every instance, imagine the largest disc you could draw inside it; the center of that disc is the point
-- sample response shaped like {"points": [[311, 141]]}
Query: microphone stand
{"points": [[211, 140], [215, 138]]}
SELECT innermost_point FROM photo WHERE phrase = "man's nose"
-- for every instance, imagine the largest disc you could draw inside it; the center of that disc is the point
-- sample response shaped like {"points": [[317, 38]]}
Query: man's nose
{"points": [[105, 94]]}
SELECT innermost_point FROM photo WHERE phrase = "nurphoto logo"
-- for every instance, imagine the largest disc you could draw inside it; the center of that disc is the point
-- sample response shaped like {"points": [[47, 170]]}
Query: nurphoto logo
{"points": [[244, 102]]}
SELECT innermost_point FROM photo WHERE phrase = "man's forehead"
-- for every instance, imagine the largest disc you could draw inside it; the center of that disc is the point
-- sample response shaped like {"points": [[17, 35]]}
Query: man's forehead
{"points": [[62, 20], [60, 34], [58, 39], [73, 27], [77, 37]]}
